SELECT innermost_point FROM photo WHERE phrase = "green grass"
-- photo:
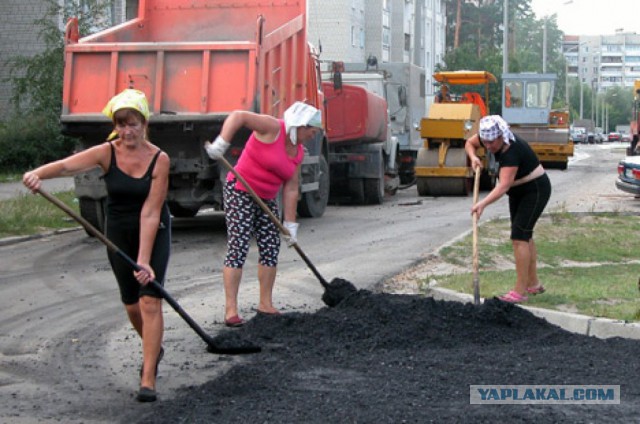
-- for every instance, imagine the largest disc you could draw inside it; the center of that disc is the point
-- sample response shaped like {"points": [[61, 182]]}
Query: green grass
{"points": [[10, 178], [29, 214], [588, 264]]}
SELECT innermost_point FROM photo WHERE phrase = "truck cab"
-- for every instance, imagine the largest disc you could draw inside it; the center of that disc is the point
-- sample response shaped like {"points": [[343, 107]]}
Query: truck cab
{"points": [[527, 107]]}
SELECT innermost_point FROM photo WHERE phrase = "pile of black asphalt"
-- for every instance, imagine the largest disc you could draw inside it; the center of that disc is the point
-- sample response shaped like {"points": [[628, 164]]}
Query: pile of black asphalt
{"points": [[403, 358]]}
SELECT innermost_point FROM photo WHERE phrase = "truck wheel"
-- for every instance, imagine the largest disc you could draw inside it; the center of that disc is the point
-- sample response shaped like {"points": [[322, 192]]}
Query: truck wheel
{"points": [[356, 191], [374, 187], [180, 211], [374, 190], [94, 211], [313, 203]]}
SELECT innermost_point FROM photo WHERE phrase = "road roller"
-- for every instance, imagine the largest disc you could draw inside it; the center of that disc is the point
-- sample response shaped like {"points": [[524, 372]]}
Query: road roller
{"points": [[442, 167]]}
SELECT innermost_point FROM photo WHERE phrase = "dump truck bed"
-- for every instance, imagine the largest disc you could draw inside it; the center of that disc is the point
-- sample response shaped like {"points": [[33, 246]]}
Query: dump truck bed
{"points": [[195, 59]]}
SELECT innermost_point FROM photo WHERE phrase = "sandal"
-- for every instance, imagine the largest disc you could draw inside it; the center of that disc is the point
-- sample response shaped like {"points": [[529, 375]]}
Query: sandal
{"points": [[513, 297], [539, 289], [234, 321]]}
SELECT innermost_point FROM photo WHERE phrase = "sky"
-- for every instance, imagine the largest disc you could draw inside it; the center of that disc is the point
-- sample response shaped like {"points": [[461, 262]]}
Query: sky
{"points": [[591, 17]]}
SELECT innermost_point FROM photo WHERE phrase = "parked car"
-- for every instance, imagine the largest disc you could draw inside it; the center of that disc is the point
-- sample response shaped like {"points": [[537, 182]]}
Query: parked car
{"points": [[625, 138], [613, 136], [591, 137], [578, 136], [600, 137], [629, 175]]}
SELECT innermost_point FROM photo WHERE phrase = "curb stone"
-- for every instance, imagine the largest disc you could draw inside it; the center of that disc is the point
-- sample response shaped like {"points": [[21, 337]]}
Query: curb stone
{"points": [[18, 239], [602, 328]]}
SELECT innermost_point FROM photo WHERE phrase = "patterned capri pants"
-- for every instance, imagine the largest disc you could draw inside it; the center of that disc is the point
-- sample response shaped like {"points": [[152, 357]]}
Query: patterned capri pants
{"points": [[245, 219]]}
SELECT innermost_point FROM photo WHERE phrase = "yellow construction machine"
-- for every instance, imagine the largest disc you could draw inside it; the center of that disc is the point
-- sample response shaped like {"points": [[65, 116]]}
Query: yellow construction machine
{"points": [[527, 107], [442, 167]]}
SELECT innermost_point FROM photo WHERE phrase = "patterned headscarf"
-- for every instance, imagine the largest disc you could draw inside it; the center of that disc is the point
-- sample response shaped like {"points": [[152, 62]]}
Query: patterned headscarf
{"points": [[494, 126]]}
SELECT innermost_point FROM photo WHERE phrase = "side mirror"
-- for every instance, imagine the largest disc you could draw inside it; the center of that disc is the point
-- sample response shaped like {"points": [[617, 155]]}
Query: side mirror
{"points": [[402, 95], [337, 68]]}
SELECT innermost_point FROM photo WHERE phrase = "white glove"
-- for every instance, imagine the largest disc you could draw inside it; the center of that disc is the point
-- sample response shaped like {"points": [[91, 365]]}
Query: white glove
{"points": [[292, 227], [216, 149]]}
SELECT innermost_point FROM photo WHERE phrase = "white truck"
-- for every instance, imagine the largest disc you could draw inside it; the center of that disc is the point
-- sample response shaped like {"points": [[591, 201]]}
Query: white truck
{"points": [[403, 86]]}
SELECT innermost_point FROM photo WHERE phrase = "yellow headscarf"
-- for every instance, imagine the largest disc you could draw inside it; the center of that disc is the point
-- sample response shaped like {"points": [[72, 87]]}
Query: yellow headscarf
{"points": [[129, 98]]}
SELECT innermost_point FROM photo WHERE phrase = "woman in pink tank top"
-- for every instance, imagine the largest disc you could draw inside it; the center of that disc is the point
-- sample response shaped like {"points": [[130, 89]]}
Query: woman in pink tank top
{"points": [[271, 159]]}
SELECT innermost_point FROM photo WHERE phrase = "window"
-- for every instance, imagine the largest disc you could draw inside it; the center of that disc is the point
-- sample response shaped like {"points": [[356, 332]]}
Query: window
{"points": [[538, 94], [353, 35], [386, 38], [513, 94]]}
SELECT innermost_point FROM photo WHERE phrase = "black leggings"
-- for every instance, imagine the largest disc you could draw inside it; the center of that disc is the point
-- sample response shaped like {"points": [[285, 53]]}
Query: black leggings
{"points": [[245, 219], [129, 242], [526, 203]]}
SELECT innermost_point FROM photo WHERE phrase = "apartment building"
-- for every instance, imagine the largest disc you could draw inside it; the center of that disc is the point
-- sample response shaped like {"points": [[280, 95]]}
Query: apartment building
{"points": [[603, 61], [409, 31]]}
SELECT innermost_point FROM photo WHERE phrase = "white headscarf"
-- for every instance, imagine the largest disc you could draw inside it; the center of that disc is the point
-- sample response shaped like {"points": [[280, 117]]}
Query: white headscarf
{"points": [[494, 126], [300, 115]]}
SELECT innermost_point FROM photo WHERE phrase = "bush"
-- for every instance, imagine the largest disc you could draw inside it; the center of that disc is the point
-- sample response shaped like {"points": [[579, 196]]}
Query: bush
{"points": [[31, 141], [32, 137]]}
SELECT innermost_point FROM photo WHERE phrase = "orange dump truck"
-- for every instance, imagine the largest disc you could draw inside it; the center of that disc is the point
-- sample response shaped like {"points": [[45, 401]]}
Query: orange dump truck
{"points": [[196, 62]]}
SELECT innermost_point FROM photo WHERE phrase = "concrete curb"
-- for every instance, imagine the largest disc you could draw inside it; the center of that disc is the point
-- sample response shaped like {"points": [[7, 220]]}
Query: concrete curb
{"points": [[602, 328], [18, 239]]}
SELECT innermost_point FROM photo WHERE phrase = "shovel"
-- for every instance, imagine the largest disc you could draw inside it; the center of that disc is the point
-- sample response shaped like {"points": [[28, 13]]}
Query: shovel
{"points": [[476, 272], [212, 345], [335, 291]]}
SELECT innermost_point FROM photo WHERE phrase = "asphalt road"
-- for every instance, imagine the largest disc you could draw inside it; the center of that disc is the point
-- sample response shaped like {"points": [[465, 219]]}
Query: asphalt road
{"points": [[68, 354]]}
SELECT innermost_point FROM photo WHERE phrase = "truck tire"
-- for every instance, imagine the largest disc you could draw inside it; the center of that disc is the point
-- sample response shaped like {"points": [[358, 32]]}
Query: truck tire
{"points": [[374, 187], [313, 203], [94, 211], [356, 191], [181, 212]]}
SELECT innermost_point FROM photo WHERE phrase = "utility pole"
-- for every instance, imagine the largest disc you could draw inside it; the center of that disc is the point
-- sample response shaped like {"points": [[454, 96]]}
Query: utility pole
{"points": [[505, 38], [544, 45]]}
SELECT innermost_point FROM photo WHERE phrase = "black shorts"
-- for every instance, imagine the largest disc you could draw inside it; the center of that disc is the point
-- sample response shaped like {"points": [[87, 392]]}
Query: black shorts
{"points": [[526, 203], [128, 242]]}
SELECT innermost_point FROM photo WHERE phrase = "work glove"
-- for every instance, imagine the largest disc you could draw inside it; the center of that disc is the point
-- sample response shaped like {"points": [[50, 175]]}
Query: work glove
{"points": [[216, 149], [292, 227]]}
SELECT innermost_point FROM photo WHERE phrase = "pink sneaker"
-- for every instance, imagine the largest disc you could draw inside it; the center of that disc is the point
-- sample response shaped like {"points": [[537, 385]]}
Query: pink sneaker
{"points": [[513, 297]]}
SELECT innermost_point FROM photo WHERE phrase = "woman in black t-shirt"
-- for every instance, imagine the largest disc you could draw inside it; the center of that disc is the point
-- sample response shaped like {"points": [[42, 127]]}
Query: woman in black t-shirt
{"points": [[524, 180]]}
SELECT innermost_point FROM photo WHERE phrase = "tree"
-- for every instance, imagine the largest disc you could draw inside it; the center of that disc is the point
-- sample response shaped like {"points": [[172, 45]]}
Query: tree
{"points": [[31, 135], [476, 26]]}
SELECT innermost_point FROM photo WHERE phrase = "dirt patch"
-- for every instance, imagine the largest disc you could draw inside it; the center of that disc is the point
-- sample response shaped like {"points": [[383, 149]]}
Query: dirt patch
{"points": [[406, 358]]}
